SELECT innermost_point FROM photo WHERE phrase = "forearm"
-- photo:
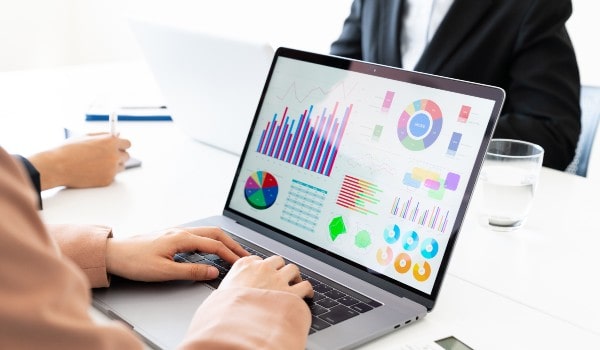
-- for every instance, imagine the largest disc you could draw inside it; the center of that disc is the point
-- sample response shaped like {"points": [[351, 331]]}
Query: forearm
{"points": [[49, 165]]}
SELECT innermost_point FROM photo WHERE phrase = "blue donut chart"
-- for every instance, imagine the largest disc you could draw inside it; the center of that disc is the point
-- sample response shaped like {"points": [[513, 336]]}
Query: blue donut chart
{"points": [[429, 248], [410, 241], [391, 234], [420, 125]]}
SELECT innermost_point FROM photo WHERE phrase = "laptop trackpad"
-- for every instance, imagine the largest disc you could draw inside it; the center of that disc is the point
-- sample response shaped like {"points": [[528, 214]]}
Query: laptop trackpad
{"points": [[163, 324]]}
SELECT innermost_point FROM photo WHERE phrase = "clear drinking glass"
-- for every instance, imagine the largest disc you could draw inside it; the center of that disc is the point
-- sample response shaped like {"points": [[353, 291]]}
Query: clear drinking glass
{"points": [[509, 178]]}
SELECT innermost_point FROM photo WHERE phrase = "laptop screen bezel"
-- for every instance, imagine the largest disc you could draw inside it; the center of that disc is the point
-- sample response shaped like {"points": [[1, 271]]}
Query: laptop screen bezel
{"points": [[395, 287]]}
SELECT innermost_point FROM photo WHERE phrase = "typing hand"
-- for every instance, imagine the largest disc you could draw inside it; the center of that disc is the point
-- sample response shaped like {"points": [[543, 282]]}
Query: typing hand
{"points": [[150, 257]]}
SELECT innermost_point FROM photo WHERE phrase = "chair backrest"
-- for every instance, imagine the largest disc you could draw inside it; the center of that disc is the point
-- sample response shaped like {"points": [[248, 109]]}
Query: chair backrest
{"points": [[590, 115]]}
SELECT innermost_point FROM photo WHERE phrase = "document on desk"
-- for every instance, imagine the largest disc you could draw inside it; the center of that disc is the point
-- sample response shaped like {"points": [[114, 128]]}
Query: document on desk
{"points": [[132, 113]]}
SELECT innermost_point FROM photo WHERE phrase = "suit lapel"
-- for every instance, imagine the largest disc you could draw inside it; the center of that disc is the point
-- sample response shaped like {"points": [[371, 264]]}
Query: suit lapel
{"points": [[461, 18]]}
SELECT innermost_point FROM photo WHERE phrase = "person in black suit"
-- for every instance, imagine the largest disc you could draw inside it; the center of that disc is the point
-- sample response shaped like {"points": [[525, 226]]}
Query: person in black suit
{"points": [[521, 46]]}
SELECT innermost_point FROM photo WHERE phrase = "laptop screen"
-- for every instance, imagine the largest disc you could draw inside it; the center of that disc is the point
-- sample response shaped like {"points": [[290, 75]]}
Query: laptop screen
{"points": [[370, 164]]}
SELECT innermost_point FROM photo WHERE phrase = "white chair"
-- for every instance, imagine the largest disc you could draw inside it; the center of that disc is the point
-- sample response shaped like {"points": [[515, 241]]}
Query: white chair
{"points": [[590, 115]]}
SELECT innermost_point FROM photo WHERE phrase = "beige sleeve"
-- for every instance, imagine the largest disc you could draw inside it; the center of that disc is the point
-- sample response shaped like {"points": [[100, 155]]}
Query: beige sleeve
{"points": [[248, 318], [45, 298], [85, 245]]}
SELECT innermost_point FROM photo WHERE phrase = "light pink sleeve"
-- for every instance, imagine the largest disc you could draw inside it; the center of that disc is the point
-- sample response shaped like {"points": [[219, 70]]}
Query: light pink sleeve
{"points": [[248, 318]]}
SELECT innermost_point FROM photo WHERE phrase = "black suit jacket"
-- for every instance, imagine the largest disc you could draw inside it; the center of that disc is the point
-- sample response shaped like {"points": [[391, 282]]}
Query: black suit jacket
{"points": [[519, 45]]}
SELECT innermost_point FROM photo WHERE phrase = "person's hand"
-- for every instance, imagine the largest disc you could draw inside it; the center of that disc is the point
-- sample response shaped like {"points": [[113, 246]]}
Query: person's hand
{"points": [[149, 258], [91, 160], [271, 273]]}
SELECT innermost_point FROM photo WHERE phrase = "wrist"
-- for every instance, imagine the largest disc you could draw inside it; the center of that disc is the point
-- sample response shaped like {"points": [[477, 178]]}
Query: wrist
{"points": [[49, 166]]}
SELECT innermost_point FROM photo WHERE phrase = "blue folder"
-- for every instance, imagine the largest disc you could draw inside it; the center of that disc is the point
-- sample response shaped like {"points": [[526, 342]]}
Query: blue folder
{"points": [[128, 117]]}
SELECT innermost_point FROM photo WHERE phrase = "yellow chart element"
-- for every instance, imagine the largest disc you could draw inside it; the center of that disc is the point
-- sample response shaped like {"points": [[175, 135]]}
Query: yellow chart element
{"points": [[422, 273]]}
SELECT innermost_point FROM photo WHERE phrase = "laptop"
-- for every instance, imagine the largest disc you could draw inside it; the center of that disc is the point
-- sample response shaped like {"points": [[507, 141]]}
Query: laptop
{"points": [[211, 83], [359, 173]]}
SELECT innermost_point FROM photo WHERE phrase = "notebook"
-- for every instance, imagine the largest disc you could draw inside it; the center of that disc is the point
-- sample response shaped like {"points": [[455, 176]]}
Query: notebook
{"points": [[359, 173], [211, 83]]}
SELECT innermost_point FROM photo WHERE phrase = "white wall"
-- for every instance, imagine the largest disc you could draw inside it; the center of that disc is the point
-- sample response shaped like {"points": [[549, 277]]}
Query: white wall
{"points": [[584, 29], [42, 33]]}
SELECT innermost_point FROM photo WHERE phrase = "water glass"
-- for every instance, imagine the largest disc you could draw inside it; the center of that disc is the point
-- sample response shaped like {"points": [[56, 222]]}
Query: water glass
{"points": [[508, 180]]}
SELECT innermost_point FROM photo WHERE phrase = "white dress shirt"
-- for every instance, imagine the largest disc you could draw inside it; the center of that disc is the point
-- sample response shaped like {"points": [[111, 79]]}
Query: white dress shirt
{"points": [[421, 20]]}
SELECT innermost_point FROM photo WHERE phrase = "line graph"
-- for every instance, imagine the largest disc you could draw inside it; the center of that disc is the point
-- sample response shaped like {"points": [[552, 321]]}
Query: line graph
{"points": [[292, 91]]}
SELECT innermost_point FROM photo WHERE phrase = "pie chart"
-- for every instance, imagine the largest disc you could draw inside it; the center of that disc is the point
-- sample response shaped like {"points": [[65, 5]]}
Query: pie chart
{"points": [[261, 190], [420, 125]]}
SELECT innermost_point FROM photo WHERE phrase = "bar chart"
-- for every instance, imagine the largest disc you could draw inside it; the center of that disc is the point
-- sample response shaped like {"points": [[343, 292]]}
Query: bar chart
{"points": [[308, 141]]}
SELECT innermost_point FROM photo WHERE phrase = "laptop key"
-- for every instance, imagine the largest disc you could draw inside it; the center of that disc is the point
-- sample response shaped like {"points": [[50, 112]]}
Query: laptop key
{"points": [[338, 314], [322, 288], [347, 300], [318, 324], [361, 307], [194, 258], [214, 283], [316, 309], [212, 257], [328, 303], [335, 295], [318, 296]]}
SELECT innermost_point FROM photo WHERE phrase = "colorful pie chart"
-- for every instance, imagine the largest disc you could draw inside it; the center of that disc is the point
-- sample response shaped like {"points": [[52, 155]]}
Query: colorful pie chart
{"points": [[420, 125], [261, 190]]}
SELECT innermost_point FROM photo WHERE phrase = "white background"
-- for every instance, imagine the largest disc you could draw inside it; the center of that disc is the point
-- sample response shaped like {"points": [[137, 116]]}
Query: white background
{"points": [[41, 33]]}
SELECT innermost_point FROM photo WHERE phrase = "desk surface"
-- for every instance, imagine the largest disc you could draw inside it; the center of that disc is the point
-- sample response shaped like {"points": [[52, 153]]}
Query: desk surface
{"points": [[488, 299], [533, 288]]}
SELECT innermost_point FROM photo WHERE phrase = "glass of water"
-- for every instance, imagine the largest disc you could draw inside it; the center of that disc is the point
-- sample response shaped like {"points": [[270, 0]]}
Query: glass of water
{"points": [[508, 181]]}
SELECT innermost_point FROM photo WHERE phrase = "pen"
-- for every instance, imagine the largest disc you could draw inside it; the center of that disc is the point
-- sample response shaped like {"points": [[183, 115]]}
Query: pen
{"points": [[112, 122]]}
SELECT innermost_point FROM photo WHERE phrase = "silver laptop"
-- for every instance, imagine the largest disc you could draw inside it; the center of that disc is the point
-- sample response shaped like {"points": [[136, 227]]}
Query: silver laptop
{"points": [[359, 173], [211, 83]]}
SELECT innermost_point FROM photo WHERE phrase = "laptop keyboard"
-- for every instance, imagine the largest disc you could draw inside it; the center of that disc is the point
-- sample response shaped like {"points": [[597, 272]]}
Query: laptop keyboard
{"points": [[332, 303]]}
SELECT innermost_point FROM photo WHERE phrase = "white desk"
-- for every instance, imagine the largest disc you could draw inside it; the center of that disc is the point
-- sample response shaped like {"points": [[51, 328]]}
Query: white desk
{"points": [[531, 289], [550, 265]]}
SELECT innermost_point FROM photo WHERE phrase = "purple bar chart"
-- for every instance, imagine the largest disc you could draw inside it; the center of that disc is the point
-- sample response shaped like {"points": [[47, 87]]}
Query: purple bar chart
{"points": [[310, 141]]}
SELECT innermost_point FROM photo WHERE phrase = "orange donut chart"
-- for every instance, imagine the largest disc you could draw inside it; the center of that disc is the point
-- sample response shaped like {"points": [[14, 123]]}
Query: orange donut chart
{"points": [[384, 255], [422, 274], [402, 263]]}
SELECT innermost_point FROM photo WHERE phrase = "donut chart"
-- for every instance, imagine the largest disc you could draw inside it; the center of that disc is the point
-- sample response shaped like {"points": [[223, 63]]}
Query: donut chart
{"points": [[391, 234], [402, 263], [261, 190], [384, 255], [429, 248], [421, 274], [420, 125], [410, 241]]}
